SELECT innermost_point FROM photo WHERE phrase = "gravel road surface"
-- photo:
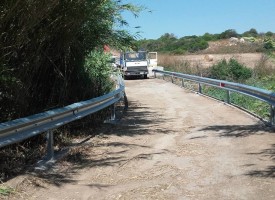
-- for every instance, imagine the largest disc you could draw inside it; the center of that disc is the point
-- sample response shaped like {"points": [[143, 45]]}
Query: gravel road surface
{"points": [[171, 144]]}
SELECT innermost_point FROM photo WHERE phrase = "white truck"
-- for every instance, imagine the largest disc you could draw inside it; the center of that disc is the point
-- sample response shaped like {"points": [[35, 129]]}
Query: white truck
{"points": [[135, 63]]}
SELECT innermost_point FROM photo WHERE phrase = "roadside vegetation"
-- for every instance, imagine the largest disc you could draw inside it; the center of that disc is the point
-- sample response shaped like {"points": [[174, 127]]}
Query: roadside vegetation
{"points": [[249, 41], [229, 41], [44, 47], [51, 55], [5, 191], [261, 76]]}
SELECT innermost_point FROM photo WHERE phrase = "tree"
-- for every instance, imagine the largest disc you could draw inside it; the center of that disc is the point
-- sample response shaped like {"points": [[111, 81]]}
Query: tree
{"points": [[167, 37], [228, 34], [251, 33], [269, 34], [43, 46], [209, 37]]}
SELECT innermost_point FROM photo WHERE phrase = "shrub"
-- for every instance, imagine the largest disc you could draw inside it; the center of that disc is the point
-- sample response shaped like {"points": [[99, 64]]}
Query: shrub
{"points": [[220, 70], [269, 34], [251, 33], [209, 37], [263, 68], [239, 72], [98, 67], [228, 34], [269, 44], [170, 44], [232, 71]]}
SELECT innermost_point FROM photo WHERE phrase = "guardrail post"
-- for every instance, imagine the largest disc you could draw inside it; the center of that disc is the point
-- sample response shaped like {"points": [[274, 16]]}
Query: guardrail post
{"points": [[155, 74], [172, 79], [182, 82], [200, 90], [272, 115], [125, 101], [50, 151], [113, 112], [228, 96]]}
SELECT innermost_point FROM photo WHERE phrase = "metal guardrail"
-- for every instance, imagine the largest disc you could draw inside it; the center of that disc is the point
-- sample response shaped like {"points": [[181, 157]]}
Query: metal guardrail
{"points": [[260, 94], [23, 128]]}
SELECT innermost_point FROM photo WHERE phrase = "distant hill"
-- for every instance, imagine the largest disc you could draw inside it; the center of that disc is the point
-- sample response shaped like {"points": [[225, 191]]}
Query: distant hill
{"points": [[228, 41]]}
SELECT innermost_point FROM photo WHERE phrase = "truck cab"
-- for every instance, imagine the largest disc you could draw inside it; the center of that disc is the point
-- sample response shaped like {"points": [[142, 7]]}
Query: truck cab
{"points": [[135, 64]]}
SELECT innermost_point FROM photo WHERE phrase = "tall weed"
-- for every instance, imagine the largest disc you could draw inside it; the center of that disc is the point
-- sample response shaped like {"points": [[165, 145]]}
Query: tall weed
{"points": [[264, 67], [174, 63]]}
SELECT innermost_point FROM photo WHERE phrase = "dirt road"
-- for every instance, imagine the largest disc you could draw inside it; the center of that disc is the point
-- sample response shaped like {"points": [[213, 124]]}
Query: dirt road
{"points": [[172, 144]]}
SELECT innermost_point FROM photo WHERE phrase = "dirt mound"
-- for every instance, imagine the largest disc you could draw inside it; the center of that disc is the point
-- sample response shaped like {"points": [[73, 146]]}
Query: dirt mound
{"points": [[228, 46], [248, 59]]}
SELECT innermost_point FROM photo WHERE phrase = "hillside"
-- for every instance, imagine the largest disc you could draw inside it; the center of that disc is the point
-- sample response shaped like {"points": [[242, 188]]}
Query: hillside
{"points": [[245, 53], [228, 41], [230, 46], [201, 60]]}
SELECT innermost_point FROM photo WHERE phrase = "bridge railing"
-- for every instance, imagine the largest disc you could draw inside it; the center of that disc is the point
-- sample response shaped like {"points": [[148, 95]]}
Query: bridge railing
{"points": [[20, 129], [257, 93]]}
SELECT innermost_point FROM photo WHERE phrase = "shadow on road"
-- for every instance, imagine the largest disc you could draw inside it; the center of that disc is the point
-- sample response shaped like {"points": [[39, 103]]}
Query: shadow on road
{"points": [[80, 161], [242, 131], [138, 120], [269, 171], [238, 130]]}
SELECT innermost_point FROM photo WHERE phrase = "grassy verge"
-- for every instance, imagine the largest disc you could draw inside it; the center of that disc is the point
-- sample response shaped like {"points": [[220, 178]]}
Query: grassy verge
{"points": [[253, 105], [262, 76], [5, 191]]}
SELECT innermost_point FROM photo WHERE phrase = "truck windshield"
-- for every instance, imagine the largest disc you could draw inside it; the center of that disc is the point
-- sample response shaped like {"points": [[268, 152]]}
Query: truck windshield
{"points": [[133, 56]]}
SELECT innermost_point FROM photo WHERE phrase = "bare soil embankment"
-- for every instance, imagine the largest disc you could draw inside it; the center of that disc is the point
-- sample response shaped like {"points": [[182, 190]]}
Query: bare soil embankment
{"points": [[245, 53]]}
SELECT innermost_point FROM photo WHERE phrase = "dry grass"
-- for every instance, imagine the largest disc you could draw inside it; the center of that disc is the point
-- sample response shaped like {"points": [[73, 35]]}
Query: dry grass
{"points": [[262, 64], [264, 67], [177, 64]]}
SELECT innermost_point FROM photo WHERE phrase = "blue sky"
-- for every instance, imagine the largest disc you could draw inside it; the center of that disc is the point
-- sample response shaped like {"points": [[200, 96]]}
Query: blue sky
{"points": [[196, 17]]}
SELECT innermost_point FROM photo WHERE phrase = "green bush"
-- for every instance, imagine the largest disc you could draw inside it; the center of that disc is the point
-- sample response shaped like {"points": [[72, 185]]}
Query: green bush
{"points": [[251, 33], [228, 34], [170, 44], [231, 71], [220, 70], [239, 72], [43, 46], [210, 37], [97, 66], [269, 44]]}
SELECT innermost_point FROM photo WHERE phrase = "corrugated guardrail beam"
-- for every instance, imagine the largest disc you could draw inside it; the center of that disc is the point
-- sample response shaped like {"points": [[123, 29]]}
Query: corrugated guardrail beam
{"points": [[261, 94], [23, 128]]}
